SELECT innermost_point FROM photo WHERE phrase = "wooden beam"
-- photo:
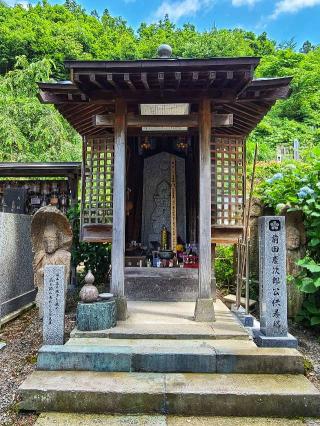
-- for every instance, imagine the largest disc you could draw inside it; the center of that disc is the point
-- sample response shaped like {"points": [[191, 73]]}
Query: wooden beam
{"points": [[128, 82], [205, 124], [219, 120], [111, 82], [119, 199], [195, 75], [161, 80], [211, 78], [76, 78], [94, 81], [144, 80], [49, 98], [177, 76]]}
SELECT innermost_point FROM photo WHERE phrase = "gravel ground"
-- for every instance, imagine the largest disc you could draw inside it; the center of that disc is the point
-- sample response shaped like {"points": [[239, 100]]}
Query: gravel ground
{"points": [[309, 346], [23, 337]]}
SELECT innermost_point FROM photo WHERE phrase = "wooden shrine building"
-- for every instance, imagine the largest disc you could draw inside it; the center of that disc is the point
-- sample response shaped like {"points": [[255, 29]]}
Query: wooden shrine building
{"points": [[164, 147]]}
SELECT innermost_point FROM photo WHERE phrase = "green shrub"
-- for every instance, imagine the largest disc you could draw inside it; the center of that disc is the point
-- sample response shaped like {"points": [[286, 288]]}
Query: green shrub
{"points": [[297, 187], [94, 256], [224, 269]]}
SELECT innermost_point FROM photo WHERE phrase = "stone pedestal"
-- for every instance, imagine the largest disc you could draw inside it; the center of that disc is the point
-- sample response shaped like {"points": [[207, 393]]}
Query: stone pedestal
{"points": [[96, 316]]}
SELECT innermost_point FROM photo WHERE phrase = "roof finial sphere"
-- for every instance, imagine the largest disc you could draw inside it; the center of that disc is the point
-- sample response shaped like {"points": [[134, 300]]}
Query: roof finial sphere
{"points": [[164, 51]]}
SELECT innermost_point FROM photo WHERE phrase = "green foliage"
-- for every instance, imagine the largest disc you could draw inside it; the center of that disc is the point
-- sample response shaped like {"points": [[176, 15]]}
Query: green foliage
{"points": [[96, 257], [48, 34], [30, 131], [224, 268], [296, 186], [297, 117]]}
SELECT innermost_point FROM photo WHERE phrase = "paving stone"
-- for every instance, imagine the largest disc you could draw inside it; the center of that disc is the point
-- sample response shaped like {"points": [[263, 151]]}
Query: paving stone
{"points": [[66, 419]]}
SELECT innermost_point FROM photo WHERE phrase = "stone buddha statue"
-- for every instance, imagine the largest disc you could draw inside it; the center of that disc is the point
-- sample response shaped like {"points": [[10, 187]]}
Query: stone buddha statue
{"points": [[51, 236]]}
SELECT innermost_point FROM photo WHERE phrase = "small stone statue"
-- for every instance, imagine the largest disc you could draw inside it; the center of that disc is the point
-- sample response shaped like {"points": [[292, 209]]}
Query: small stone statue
{"points": [[51, 236]]}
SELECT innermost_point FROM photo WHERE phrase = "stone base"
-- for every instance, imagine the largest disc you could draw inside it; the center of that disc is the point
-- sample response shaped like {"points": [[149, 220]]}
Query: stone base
{"points": [[246, 320], [204, 310], [263, 341], [122, 308], [96, 316], [163, 284]]}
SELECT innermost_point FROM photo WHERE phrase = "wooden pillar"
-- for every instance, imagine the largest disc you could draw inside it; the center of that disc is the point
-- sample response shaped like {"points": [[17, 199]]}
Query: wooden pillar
{"points": [[119, 213], [204, 310], [213, 271]]}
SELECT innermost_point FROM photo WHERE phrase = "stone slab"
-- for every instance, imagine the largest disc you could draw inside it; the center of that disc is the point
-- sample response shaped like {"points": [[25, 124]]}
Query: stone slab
{"points": [[84, 358], [222, 356], [171, 320], [16, 257], [142, 358], [233, 421], [92, 392], [230, 299], [96, 316], [162, 284], [53, 305], [254, 394], [246, 320], [69, 419], [17, 313], [149, 393], [263, 341]]}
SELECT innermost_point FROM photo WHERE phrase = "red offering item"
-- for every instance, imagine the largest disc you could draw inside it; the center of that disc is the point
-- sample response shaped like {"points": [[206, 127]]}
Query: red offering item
{"points": [[190, 261]]}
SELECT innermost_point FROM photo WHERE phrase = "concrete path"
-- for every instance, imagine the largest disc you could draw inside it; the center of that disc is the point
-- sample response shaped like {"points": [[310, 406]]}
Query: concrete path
{"points": [[62, 419], [165, 320]]}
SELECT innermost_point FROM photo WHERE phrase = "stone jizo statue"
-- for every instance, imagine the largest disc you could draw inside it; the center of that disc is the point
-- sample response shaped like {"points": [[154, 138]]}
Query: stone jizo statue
{"points": [[51, 236]]}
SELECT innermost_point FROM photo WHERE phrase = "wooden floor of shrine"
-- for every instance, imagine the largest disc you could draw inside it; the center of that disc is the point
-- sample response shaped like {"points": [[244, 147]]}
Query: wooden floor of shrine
{"points": [[171, 320]]}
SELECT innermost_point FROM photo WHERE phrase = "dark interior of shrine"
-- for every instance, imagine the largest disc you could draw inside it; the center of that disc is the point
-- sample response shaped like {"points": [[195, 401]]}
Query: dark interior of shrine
{"points": [[141, 149]]}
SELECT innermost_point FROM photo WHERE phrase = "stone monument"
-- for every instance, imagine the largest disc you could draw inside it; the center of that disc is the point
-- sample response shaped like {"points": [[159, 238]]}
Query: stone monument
{"points": [[157, 197], [54, 304], [273, 286], [51, 236], [16, 257]]}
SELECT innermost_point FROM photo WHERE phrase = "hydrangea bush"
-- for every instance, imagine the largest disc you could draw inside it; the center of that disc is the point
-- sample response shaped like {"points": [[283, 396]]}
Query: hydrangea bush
{"points": [[296, 186]]}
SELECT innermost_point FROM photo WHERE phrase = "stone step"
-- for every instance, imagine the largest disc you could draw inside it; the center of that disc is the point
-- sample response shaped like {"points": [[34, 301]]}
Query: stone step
{"points": [[179, 394], [70, 419], [169, 356]]}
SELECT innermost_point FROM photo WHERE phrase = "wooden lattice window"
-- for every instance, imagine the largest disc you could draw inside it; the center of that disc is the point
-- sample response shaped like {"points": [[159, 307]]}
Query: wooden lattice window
{"points": [[228, 181], [97, 189]]}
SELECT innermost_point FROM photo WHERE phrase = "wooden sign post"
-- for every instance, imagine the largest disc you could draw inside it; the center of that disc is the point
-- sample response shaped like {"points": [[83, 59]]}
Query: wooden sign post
{"points": [[173, 204]]}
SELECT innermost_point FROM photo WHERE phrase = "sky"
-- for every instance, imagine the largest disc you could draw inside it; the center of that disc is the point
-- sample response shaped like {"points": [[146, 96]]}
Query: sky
{"points": [[281, 19]]}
